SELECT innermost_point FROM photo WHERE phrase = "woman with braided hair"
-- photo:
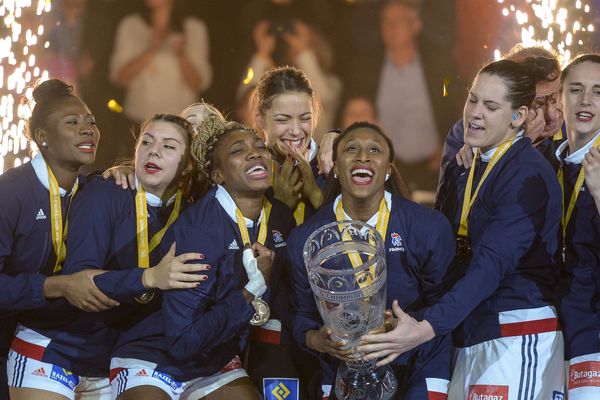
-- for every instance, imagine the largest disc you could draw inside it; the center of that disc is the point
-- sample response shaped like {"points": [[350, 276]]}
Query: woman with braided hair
{"points": [[241, 234]]}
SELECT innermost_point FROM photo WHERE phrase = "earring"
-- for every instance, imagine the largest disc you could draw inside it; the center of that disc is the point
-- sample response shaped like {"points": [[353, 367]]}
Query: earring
{"points": [[44, 144], [387, 176], [334, 175]]}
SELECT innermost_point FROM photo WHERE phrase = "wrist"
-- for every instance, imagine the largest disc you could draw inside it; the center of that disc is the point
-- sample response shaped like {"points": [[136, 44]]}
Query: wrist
{"points": [[148, 279], [248, 296], [309, 339], [426, 331], [54, 286]]}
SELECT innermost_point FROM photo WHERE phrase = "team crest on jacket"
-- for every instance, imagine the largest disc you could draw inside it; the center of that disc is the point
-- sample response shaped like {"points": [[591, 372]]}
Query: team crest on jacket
{"points": [[278, 239], [396, 240]]}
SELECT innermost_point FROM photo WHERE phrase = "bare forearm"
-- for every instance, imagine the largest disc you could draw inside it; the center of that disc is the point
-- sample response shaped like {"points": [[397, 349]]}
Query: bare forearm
{"points": [[190, 76], [132, 69]]}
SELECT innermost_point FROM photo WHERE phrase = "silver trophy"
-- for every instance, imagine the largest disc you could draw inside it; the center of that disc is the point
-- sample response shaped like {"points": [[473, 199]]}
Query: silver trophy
{"points": [[345, 262]]}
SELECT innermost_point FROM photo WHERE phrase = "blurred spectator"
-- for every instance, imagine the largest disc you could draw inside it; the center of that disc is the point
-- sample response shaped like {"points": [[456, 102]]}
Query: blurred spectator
{"points": [[66, 58], [293, 42], [413, 100], [357, 109], [161, 58]]}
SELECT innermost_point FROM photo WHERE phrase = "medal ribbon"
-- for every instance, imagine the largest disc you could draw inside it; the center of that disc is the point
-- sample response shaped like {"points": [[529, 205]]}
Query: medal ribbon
{"points": [[141, 212], [566, 214], [262, 231], [58, 233], [468, 199], [383, 218]]}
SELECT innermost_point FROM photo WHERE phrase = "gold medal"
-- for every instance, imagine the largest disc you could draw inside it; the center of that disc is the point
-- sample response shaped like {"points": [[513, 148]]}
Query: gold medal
{"points": [[145, 297], [261, 308], [261, 312]]}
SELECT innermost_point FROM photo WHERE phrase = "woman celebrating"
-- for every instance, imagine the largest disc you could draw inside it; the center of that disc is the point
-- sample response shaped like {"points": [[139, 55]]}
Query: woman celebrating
{"points": [[365, 186], [580, 83], [287, 111], [35, 202], [73, 348], [241, 234], [506, 212]]}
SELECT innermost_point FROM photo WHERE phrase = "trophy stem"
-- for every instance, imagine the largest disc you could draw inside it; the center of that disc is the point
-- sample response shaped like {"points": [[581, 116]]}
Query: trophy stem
{"points": [[362, 380]]}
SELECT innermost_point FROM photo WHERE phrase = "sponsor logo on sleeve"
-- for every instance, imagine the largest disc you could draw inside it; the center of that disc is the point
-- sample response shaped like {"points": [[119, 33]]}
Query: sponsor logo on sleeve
{"points": [[488, 392], [584, 374], [281, 388], [64, 377]]}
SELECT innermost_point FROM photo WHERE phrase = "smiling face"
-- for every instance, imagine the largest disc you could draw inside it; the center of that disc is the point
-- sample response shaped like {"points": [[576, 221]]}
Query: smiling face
{"points": [[363, 160], [71, 134], [161, 155], [489, 118], [581, 100], [242, 164], [288, 122]]}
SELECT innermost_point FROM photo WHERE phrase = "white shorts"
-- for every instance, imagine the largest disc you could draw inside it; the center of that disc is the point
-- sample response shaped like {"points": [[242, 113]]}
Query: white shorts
{"points": [[527, 365], [583, 377], [127, 373], [25, 372]]}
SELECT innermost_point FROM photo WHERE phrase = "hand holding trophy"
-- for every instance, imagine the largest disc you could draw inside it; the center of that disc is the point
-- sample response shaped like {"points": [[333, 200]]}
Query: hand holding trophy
{"points": [[346, 267]]}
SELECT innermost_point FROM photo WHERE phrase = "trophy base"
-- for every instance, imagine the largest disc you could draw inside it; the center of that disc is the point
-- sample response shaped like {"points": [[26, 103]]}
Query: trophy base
{"points": [[365, 383]]}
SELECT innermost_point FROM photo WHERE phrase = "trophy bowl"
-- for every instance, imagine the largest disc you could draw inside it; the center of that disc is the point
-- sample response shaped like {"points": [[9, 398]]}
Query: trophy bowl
{"points": [[345, 263]]}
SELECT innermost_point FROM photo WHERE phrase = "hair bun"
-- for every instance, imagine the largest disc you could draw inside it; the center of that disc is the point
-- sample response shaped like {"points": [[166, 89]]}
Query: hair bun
{"points": [[50, 90]]}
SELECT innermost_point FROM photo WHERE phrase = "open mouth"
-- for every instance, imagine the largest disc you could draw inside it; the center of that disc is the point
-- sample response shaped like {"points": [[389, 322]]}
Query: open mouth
{"points": [[257, 171], [361, 176], [297, 143], [584, 116], [473, 126], [151, 168], [87, 147]]}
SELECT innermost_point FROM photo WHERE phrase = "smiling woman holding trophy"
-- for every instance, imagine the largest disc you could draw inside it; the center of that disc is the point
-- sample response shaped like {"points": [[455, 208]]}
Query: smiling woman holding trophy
{"points": [[340, 256]]}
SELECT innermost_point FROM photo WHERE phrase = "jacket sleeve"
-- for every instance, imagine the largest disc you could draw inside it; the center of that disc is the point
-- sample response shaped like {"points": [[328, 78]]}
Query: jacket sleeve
{"points": [[518, 216], [21, 291], [437, 259], [194, 323], [453, 143], [93, 219]]}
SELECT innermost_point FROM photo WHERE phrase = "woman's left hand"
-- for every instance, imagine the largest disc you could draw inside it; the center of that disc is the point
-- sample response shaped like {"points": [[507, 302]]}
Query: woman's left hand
{"points": [[310, 189], [407, 334], [123, 175]]}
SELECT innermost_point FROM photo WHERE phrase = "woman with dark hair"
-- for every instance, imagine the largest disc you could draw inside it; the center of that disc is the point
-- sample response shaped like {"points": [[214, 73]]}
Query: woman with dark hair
{"points": [[365, 186], [161, 58], [578, 177], [60, 352], [35, 213], [505, 211], [241, 232]]}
